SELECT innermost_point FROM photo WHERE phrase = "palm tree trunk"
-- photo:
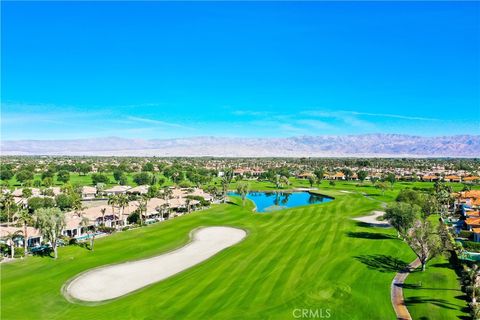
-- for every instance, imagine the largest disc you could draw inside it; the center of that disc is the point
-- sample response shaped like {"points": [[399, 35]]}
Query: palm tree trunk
{"points": [[12, 249], [25, 239]]}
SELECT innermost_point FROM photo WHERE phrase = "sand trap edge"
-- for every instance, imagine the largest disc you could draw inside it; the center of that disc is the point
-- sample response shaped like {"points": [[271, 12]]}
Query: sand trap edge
{"points": [[69, 298]]}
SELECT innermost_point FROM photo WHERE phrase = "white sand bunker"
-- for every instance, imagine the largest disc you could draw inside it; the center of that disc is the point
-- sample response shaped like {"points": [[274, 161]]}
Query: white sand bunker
{"points": [[117, 280], [373, 219]]}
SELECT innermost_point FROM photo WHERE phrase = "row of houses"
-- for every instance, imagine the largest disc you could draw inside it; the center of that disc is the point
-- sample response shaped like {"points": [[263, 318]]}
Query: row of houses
{"points": [[179, 203], [468, 203], [427, 178]]}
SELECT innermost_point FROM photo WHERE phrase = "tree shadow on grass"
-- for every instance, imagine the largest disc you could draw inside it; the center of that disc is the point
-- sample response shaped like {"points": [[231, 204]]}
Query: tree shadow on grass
{"points": [[442, 303], [419, 287], [363, 224], [383, 263], [370, 235], [445, 265], [45, 253]]}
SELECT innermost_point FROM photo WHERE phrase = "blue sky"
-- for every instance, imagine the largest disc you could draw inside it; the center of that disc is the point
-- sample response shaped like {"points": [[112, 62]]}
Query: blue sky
{"points": [[163, 70]]}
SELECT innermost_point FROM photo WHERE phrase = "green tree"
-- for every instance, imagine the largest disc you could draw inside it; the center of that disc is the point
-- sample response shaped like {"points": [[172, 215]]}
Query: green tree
{"points": [[84, 168], [149, 166], [142, 207], [48, 174], [424, 241], [225, 184], [112, 201], [348, 173], [10, 241], [6, 174], [122, 202], [401, 216], [242, 190], [91, 230], [26, 193], [319, 173], [118, 175], [99, 178], [47, 182], [25, 218], [9, 205], [362, 175], [36, 203], [410, 196], [311, 181], [64, 201], [23, 176], [142, 178], [50, 222], [390, 177], [382, 186], [63, 176]]}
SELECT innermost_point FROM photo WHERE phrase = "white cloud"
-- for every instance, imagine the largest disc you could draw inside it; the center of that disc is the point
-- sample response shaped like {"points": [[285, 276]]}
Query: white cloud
{"points": [[157, 122], [398, 116], [317, 124]]}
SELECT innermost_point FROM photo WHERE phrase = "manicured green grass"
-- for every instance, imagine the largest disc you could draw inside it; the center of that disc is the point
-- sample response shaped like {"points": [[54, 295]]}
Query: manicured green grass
{"points": [[428, 294], [308, 257]]}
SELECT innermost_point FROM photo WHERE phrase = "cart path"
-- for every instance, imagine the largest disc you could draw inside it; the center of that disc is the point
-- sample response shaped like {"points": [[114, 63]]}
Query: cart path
{"points": [[398, 300]]}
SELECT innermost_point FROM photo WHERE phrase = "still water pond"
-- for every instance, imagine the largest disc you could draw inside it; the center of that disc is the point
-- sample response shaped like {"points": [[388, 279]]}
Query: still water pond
{"points": [[272, 201]]}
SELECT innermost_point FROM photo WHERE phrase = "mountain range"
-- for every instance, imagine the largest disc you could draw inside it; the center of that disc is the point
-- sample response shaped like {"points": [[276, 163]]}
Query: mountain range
{"points": [[367, 145]]}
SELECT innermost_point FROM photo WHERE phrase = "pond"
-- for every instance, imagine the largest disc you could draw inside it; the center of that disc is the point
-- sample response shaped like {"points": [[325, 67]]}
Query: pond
{"points": [[272, 201]]}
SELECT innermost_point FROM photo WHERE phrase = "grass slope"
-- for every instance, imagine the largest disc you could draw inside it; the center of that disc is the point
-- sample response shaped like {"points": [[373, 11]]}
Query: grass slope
{"points": [[308, 257]]}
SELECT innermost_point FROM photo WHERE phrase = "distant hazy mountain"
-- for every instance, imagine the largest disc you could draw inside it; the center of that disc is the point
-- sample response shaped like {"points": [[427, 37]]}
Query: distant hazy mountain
{"points": [[375, 145]]}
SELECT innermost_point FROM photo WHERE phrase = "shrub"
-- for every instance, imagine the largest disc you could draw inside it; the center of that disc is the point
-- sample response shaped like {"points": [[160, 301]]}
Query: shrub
{"points": [[471, 246], [134, 217], [106, 229], [184, 184], [19, 252], [4, 249], [72, 241], [466, 234], [125, 228], [202, 200]]}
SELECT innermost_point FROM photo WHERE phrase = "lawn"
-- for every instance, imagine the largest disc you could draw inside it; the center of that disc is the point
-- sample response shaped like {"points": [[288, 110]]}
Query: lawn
{"points": [[428, 294], [311, 257]]}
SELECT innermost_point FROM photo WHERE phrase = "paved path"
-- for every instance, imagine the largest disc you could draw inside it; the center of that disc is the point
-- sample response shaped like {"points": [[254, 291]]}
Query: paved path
{"points": [[398, 301]]}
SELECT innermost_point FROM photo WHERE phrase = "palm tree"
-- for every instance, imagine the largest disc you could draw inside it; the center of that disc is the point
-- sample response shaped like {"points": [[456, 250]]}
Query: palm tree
{"points": [[285, 180], [85, 222], [77, 206], [102, 211], [167, 193], [10, 238], [242, 189], [471, 281], [122, 202], [8, 202], [112, 201], [142, 207], [24, 217], [164, 208], [225, 183]]}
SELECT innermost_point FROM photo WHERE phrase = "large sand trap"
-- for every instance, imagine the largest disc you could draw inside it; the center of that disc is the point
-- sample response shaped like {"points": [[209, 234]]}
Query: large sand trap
{"points": [[373, 219], [117, 280]]}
